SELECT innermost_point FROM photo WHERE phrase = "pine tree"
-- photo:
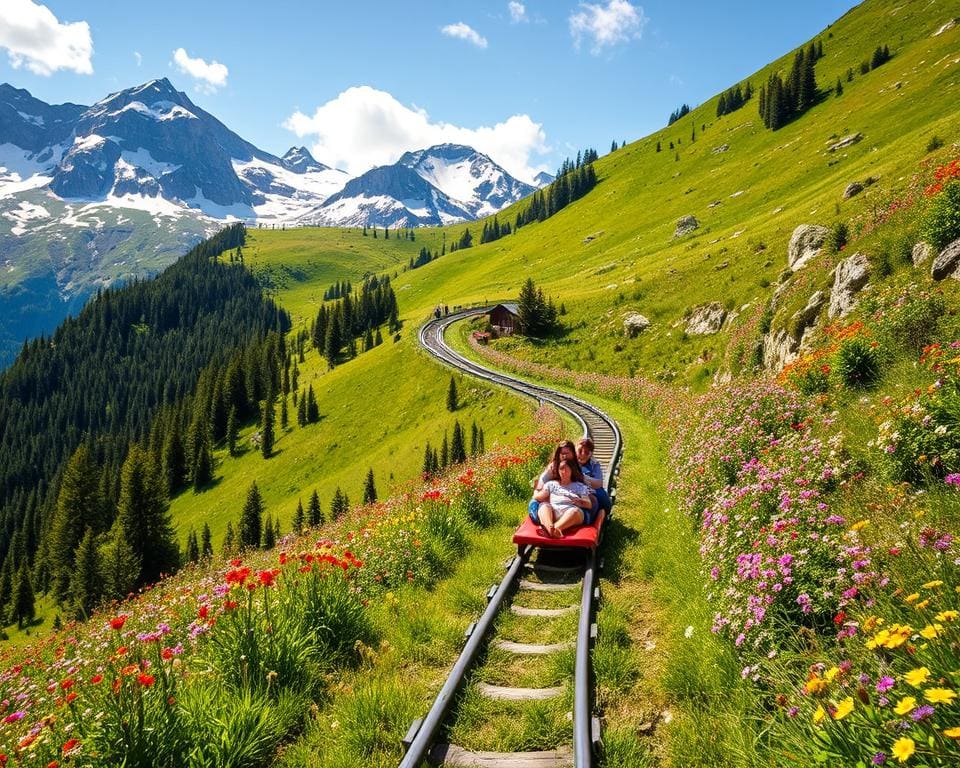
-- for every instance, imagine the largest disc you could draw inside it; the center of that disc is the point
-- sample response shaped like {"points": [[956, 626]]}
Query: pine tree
{"points": [[302, 412], [474, 439], [452, 403], [481, 448], [313, 410], [121, 566], [22, 603], [333, 341], [229, 541], [298, 518], [428, 467], [193, 547], [6, 584], [143, 514], [314, 512], [232, 430], [206, 542], [86, 584], [174, 458], [369, 489], [266, 426], [838, 89], [458, 453], [444, 453], [284, 414], [339, 505], [250, 529], [269, 534], [78, 507]]}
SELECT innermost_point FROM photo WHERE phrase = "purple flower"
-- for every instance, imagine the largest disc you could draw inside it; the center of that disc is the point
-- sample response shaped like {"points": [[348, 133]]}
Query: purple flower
{"points": [[879, 759], [922, 713], [885, 683], [953, 479]]}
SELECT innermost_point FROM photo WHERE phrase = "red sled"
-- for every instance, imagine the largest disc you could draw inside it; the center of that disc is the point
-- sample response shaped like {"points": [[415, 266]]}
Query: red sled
{"points": [[581, 537]]}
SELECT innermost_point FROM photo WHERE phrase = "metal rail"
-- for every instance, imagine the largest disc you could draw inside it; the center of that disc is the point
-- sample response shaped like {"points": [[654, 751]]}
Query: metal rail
{"points": [[593, 422]]}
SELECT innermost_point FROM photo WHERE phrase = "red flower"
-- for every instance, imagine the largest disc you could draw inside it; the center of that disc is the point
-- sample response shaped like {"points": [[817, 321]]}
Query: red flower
{"points": [[267, 578], [71, 697], [145, 680], [229, 605], [236, 563], [67, 684], [118, 622], [166, 654], [840, 618], [96, 679], [238, 576], [70, 745], [122, 650], [204, 611]]}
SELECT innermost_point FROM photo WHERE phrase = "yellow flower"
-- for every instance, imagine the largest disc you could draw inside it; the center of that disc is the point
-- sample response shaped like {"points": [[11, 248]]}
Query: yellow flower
{"points": [[917, 677], [922, 604], [953, 733], [831, 673], [879, 639], [933, 584], [903, 748], [819, 714], [905, 705], [911, 598], [844, 708], [947, 616], [939, 695], [871, 623], [860, 525], [931, 631], [815, 685]]}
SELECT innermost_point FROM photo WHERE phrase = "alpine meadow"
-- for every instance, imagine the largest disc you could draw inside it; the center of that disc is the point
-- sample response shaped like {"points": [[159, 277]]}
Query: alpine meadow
{"points": [[248, 506]]}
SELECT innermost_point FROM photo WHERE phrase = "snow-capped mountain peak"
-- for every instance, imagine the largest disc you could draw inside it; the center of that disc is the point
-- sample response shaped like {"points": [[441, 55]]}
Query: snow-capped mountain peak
{"points": [[299, 160]]}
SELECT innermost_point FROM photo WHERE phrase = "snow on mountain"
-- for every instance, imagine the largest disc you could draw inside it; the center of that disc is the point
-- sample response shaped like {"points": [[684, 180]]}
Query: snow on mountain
{"points": [[444, 184], [542, 179]]}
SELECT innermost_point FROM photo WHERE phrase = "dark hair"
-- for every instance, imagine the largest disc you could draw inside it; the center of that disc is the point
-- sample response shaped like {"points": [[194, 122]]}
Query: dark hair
{"points": [[555, 461], [575, 472], [587, 442]]}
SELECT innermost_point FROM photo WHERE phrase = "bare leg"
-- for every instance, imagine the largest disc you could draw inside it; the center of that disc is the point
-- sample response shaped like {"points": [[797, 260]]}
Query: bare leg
{"points": [[546, 515], [569, 519]]}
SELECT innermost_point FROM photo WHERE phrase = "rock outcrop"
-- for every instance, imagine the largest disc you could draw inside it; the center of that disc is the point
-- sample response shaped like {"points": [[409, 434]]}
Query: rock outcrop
{"points": [[634, 324], [845, 142], [848, 279], [706, 319], [921, 253], [947, 262], [853, 188], [805, 243], [685, 225], [807, 317], [779, 348]]}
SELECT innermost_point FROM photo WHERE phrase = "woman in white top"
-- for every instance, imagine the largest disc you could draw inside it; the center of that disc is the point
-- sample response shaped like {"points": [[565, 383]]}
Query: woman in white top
{"points": [[564, 503]]}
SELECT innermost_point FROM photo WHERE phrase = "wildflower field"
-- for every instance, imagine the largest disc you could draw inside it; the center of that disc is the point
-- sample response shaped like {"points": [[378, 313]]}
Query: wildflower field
{"points": [[221, 663]]}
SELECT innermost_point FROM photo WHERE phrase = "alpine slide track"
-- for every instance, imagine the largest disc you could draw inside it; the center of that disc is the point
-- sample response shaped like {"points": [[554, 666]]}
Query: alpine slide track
{"points": [[424, 741]]}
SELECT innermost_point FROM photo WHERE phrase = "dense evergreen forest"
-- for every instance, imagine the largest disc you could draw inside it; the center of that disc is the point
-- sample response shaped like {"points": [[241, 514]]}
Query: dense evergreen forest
{"points": [[118, 409]]}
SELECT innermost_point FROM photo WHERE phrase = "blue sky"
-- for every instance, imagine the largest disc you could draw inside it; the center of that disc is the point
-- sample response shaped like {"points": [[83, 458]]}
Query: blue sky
{"points": [[360, 82]]}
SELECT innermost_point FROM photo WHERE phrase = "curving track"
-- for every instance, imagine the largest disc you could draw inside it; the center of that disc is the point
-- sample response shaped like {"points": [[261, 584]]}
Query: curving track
{"points": [[421, 738]]}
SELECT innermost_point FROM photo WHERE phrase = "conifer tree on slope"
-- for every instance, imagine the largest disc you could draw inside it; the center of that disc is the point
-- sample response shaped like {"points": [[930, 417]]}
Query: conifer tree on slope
{"points": [[314, 512], [250, 529], [22, 603], [143, 514], [120, 566], [78, 507], [369, 489], [86, 584]]}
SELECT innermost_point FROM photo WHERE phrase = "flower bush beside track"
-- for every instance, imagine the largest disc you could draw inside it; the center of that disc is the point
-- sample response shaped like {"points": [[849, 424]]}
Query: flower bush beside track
{"points": [[220, 663]]}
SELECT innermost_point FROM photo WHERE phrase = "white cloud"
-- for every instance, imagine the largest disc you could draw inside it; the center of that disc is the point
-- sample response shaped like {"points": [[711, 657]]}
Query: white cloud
{"points": [[35, 38], [616, 22], [518, 11], [364, 127], [210, 75], [138, 57], [465, 32]]}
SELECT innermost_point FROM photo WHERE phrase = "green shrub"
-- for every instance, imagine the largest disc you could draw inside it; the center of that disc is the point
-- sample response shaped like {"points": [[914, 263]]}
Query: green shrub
{"points": [[838, 237], [941, 223], [856, 363], [913, 320], [934, 144]]}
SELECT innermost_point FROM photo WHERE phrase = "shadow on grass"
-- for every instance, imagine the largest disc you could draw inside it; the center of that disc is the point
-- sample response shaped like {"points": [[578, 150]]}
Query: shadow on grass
{"points": [[617, 537]]}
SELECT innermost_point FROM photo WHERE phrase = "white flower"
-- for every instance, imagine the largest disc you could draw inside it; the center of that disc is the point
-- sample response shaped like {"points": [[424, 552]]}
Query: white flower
{"points": [[688, 632]]}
